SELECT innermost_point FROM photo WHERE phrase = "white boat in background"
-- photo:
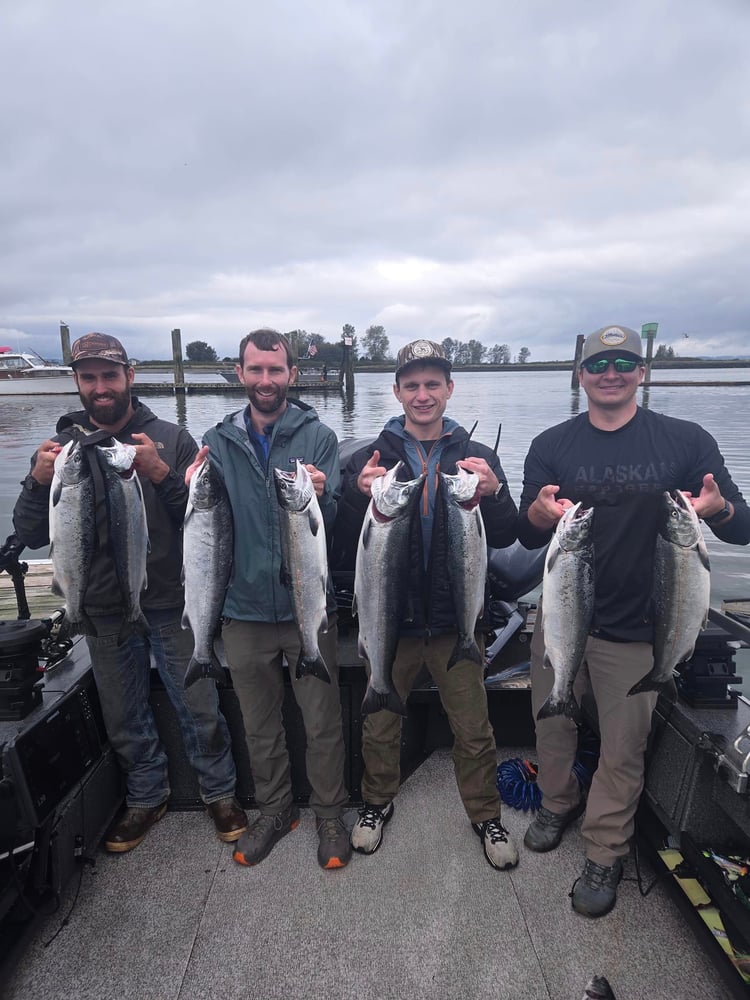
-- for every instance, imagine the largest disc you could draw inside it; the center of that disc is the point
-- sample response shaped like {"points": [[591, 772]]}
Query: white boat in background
{"points": [[25, 373]]}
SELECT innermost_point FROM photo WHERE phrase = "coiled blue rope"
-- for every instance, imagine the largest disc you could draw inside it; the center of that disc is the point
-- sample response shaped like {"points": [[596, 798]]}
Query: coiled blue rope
{"points": [[516, 778]]}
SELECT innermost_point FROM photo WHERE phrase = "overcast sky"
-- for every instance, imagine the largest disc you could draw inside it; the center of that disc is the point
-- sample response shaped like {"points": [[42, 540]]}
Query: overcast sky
{"points": [[515, 172]]}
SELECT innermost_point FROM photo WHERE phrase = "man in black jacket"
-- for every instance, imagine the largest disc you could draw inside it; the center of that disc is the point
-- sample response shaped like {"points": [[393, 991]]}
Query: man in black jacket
{"points": [[619, 459], [104, 378], [427, 441]]}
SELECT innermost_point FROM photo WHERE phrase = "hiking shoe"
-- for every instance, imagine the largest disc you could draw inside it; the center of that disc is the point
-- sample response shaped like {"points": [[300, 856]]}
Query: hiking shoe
{"points": [[499, 849], [545, 831], [229, 819], [334, 848], [130, 829], [258, 840], [367, 833], [595, 892]]}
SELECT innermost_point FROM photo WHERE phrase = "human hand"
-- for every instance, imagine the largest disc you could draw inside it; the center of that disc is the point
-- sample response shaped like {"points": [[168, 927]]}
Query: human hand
{"points": [[709, 501], [546, 510], [44, 463], [371, 471], [147, 461], [318, 479], [488, 481], [200, 456]]}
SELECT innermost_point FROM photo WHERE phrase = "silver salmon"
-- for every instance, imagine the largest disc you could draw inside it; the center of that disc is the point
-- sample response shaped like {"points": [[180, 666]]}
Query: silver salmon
{"points": [[381, 583], [567, 607], [304, 566], [72, 532], [207, 555], [128, 531], [466, 558], [681, 590]]}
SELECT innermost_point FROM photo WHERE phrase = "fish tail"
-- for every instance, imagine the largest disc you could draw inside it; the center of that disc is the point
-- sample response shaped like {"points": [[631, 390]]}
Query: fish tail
{"points": [[465, 649], [312, 666], [388, 700], [133, 626], [554, 707], [649, 684], [198, 670]]}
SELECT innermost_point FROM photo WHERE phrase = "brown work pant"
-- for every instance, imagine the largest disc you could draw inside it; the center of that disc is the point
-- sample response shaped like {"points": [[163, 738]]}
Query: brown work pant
{"points": [[464, 699], [611, 669], [254, 652]]}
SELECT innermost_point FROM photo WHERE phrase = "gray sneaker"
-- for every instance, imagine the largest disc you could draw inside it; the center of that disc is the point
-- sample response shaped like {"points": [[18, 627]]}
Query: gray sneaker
{"points": [[367, 833], [499, 849], [258, 840], [545, 831], [334, 847], [595, 892]]}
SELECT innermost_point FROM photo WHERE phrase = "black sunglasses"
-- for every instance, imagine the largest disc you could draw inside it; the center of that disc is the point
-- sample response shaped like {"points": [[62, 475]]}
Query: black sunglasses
{"points": [[600, 366]]}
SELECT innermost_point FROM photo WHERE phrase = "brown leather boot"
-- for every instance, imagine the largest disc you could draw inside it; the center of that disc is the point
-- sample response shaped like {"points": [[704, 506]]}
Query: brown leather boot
{"points": [[229, 819], [132, 826]]}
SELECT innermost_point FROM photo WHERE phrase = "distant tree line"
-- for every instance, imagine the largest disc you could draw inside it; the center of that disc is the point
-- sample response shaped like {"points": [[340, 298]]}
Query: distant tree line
{"points": [[374, 348]]}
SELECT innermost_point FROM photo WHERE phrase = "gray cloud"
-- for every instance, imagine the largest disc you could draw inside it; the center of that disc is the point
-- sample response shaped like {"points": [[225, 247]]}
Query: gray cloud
{"points": [[518, 173]]}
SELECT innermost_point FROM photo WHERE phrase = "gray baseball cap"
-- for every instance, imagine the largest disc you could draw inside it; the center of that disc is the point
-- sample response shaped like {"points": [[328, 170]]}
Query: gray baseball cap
{"points": [[612, 338]]}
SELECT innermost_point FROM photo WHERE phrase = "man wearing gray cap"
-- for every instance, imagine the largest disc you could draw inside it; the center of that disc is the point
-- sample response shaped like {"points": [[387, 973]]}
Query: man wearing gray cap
{"points": [[426, 442], [619, 459], [120, 657]]}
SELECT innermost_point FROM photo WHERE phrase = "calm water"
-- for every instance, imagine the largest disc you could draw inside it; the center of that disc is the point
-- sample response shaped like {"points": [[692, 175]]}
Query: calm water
{"points": [[524, 404]]}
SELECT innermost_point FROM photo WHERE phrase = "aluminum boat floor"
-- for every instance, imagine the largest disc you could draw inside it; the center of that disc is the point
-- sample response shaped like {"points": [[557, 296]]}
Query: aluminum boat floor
{"points": [[425, 917]]}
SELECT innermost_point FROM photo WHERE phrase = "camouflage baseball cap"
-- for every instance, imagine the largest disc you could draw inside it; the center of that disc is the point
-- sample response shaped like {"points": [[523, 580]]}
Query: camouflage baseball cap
{"points": [[612, 338], [98, 345], [425, 352]]}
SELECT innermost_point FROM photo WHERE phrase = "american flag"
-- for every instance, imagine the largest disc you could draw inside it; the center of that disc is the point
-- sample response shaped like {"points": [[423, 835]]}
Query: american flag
{"points": [[312, 350]]}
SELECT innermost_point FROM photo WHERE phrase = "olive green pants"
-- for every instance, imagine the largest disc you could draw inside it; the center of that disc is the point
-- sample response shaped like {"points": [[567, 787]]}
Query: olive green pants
{"points": [[464, 699], [611, 669], [255, 652]]}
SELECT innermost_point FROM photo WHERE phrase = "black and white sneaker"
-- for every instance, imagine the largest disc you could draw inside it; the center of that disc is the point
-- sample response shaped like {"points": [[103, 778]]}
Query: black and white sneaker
{"points": [[499, 849], [367, 832]]}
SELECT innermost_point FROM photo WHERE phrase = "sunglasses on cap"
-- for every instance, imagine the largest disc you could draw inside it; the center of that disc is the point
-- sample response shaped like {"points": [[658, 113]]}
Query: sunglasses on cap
{"points": [[600, 365]]}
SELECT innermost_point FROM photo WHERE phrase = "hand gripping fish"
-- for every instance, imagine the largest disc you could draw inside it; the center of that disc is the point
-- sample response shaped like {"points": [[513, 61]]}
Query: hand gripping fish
{"points": [[466, 546], [128, 531], [567, 607], [72, 532], [681, 590], [381, 583], [207, 554], [304, 567]]}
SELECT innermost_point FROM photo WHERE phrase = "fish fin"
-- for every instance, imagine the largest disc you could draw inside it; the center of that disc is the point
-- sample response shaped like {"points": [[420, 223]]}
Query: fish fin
{"points": [[366, 533], [197, 671], [649, 684], [314, 523], [133, 626], [703, 554], [465, 649], [388, 700], [547, 663], [56, 493], [56, 588], [313, 666], [570, 709]]}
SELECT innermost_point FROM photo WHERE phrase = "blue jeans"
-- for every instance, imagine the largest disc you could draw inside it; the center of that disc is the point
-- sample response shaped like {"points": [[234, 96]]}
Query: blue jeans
{"points": [[123, 680]]}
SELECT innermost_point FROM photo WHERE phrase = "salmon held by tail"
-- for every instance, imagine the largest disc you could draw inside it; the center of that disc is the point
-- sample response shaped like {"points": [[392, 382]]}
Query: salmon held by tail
{"points": [[467, 558], [207, 554], [304, 565], [72, 532], [681, 590], [128, 531], [567, 607], [381, 583]]}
